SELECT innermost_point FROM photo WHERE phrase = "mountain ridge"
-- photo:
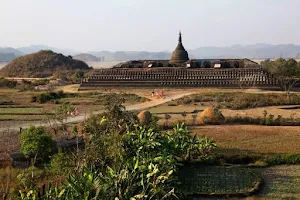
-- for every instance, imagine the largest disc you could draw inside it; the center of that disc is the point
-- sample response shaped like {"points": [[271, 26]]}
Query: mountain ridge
{"points": [[251, 51]]}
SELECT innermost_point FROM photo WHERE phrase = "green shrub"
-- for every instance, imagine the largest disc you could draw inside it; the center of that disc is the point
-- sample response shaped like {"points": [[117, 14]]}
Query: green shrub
{"points": [[238, 159], [4, 83], [145, 117], [268, 120], [48, 96], [285, 159], [60, 163], [172, 104], [41, 82]]}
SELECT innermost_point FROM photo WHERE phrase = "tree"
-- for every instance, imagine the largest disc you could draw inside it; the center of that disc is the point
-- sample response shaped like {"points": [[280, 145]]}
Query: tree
{"points": [[63, 112], [145, 117], [62, 163], [77, 76], [287, 72], [184, 115], [167, 117], [103, 133], [35, 143], [194, 118]]}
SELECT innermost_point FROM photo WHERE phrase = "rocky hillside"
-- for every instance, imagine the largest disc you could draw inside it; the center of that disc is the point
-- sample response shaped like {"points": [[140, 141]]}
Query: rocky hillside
{"points": [[87, 57], [42, 64]]}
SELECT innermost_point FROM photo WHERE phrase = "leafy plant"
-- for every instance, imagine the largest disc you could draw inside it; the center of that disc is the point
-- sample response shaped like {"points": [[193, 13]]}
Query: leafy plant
{"points": [[36, 144]]}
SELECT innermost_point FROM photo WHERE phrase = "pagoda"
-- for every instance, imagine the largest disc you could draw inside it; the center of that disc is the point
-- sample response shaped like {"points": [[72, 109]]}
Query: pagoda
{"points": [[179, 55]]}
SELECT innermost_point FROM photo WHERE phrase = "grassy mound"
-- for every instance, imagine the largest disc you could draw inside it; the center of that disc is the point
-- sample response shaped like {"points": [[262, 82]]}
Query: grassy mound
{"points": [[211, 115], [145, 117], [42, 64]]}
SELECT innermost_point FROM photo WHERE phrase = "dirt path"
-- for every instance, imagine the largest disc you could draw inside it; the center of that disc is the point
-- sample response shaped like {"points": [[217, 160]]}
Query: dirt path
{"points": [[140, 106], [69, 88]]}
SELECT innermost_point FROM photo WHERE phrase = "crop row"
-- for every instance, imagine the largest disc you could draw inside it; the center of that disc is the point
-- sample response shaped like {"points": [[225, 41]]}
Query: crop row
{"points": [[217, 180], [20, 110]]}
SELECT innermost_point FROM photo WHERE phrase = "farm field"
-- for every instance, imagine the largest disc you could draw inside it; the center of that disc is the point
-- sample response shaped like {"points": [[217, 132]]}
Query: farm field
{"points": [[280, 182], [24, 110], [17, 107], [175, 112], [206, 180], [232, 104], [252, 139]]}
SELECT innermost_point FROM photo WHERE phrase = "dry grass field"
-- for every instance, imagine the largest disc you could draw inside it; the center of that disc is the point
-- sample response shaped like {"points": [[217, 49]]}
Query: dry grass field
{"points": [[253, 139]]}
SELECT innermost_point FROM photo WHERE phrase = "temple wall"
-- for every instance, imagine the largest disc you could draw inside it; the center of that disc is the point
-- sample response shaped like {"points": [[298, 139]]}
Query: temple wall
{"points": [[179, 77]]}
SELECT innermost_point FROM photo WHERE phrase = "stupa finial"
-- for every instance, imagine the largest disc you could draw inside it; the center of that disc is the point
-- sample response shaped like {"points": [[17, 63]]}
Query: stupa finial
{"points": [[180, 40]]}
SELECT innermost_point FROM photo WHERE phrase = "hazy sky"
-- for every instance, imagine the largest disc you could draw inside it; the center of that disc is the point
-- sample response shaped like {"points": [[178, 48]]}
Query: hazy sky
{"points": [[151, 25]]}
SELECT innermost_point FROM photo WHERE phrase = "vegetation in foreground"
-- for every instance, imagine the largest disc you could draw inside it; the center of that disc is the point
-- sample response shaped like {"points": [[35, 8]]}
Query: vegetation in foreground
{"points": [[101, 152], [121, 159]]}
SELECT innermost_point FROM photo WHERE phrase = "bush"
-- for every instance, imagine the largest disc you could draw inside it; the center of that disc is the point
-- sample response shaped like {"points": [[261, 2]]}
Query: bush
{"points": [[286, 159], [41, 82], [60, 163], [4, 83], [145, 117], [48, 96], [172, 104], [268, 120], [238, 159]]}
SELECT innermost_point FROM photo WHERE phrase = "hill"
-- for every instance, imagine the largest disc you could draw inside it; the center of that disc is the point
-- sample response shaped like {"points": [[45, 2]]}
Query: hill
{"points": [[7, 54], [255, 51], [87, 57], [248, 51], [7, 57], [42, 64], [36, 48], [131, 55]]}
